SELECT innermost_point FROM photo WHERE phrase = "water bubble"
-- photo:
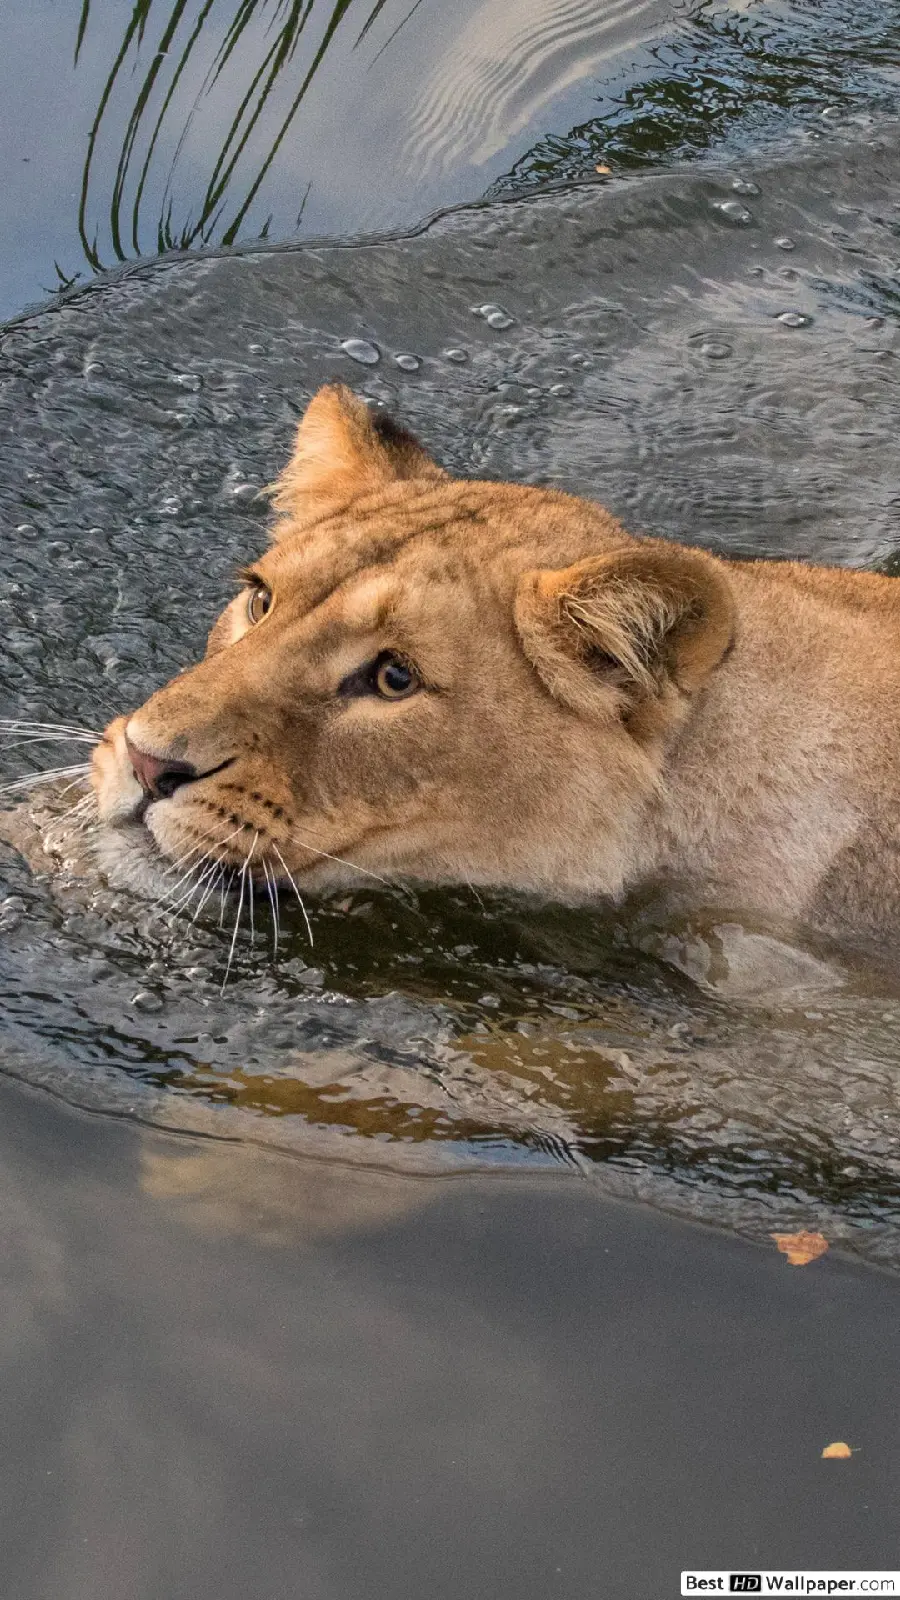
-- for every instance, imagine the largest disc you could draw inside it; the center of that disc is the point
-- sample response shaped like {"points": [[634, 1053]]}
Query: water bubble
{"points": [[456, 355], [146, 1000], [583, 362], [794, 319], [561, 390], [169, 505], [732, 211], [244, 491], [495, 316], [874, 322], [715, 349], [784, 243], [187, 380], [12, 910], [407, 363], [756, 272], [788, 273], [361, 350], [256, 349], [93, 369], [744, 186], [26, 528]]}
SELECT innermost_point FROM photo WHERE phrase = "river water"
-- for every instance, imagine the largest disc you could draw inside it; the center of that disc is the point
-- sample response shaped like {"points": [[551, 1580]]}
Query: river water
{"points": [[704, 335], [647, 359]]}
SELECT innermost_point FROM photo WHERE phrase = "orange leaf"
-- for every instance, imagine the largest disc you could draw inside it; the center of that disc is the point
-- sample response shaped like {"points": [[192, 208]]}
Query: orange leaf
{"points": [[604, 171], [836, 1452], [800, 1248]]}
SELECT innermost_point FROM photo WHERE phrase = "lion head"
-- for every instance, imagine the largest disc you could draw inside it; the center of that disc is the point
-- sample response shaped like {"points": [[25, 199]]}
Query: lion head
{"points": [[424, 678]]}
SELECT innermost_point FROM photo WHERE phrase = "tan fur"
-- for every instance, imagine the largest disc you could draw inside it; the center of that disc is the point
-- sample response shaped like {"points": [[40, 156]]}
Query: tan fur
{"points": [[597, 712]]}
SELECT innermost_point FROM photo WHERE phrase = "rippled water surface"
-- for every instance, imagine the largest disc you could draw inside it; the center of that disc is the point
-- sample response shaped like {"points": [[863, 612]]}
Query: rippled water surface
{"points": [[196, 122], [710, 347]]}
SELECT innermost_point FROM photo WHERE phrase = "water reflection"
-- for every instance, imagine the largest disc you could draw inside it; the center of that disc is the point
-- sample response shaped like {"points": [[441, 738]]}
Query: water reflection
{"points": [[198, 138], [206, 122], [242, 28], [728, 72]]}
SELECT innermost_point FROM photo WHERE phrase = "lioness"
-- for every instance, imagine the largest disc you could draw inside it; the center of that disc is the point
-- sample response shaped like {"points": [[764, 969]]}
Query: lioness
{"points": [[470, 682]]}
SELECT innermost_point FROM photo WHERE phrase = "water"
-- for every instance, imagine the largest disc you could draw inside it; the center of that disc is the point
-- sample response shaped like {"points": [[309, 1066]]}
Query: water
{"points": [[629, 341], [208, 122], [288, 1378]]}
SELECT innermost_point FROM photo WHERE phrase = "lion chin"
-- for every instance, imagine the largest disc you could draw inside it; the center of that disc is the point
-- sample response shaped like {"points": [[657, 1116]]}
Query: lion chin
{"points": [[128, 858], [467, 682]]}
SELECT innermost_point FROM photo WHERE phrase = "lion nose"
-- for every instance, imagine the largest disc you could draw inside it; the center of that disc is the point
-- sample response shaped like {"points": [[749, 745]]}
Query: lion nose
{"points": [[157, 776]]}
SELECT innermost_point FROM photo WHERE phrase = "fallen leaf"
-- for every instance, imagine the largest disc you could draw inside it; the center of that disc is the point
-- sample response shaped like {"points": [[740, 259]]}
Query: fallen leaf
{"points": [[836, 1452], [800, 1248], [604, 171]]}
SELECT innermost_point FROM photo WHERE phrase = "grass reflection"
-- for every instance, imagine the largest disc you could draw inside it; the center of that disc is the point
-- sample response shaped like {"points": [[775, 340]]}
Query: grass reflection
{"points": [[172, 31]]}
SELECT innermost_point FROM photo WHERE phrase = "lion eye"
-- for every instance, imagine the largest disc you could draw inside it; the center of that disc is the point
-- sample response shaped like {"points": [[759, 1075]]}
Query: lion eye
{"points": [[259, 601], [393, 678]]}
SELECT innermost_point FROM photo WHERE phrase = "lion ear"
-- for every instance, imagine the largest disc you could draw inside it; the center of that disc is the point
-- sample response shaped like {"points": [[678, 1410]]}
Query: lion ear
{"points": [[637, 628], [345, 449]]}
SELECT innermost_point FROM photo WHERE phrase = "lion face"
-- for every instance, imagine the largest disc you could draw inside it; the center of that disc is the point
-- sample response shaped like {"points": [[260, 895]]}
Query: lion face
{"points": [[421, 678]]}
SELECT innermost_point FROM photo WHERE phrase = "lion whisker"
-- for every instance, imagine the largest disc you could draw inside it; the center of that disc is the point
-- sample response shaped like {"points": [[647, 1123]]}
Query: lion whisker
{"points": [[49, 730], [26, 740], [252, 892], [187, 894], [208, 872], [215, 878], [202, 847], [342, 860], [78, 773], [272, 885], [169, 901], [237, 921], [309, 932], [74, 818], [401, 889]]}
